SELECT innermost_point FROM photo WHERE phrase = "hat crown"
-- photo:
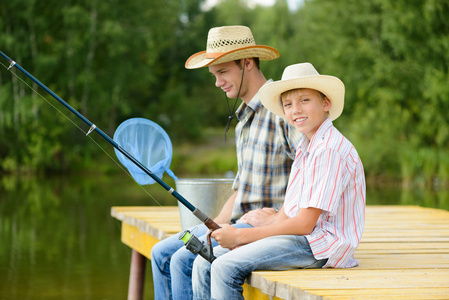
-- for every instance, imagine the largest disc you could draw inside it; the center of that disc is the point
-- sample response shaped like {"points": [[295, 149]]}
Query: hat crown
{"points": [[299, 70], [303, 76], [228, 38], [228, 43]]}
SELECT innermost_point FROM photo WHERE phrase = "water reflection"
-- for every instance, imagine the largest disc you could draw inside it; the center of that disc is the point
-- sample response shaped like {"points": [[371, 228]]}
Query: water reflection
{"points": [[397, 196], [58, 240]]}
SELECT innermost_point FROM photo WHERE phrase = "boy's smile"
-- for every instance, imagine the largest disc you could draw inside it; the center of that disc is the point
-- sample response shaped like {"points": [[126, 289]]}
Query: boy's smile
{"points": [[305, 110], [300, 121]]}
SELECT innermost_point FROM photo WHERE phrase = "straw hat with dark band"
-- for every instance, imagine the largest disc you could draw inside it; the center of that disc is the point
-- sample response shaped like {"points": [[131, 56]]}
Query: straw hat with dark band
{"points": [[230, 43], [303, 75]]}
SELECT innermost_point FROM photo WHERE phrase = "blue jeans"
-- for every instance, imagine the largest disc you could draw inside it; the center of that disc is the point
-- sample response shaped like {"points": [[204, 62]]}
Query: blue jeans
{"points": [[171, 264], [231, 268]]}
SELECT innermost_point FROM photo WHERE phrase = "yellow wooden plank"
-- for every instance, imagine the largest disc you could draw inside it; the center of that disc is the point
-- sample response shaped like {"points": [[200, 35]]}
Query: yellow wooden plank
{"points": [[415, 233], [145, 211], [398, 210], [137, 240], [410, 261], [400, 247], [380, 293], [404, 254], [353, 279], [431, 224], [251, 293]]}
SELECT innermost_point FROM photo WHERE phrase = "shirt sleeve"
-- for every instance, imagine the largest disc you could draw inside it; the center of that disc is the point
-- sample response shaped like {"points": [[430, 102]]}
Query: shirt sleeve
{"points": [[291, 137], [324, 181], [236, 183]]}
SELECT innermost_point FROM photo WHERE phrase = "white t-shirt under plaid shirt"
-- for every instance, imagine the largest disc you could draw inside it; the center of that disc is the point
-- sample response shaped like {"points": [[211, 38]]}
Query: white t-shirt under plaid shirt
{"points": [[328, 174], [266, 147]]}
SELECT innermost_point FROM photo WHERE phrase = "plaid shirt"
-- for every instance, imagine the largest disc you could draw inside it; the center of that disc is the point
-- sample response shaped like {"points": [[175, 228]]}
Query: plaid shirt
{"points": [[266, 147]]}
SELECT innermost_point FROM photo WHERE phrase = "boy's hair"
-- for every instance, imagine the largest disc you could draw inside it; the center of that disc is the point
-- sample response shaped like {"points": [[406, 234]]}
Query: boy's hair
{"points": [[286, 93], [256, 62]]}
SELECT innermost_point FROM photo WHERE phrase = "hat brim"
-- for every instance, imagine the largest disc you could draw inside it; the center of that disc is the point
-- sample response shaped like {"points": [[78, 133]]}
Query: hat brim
{"points": [[199, 60], [332, 87]]}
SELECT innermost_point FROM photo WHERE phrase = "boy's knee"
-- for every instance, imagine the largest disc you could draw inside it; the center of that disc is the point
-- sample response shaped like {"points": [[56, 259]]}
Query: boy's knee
{"points": [[156, 251], [163, 251], [200, 265], [223, 269], [182, 256], [219, 267]]}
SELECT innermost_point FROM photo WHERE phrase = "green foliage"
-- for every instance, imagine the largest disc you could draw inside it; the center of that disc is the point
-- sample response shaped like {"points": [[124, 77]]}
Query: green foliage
{"points": [[114, 60], [392, 56], [211, 156], [109, 60]]}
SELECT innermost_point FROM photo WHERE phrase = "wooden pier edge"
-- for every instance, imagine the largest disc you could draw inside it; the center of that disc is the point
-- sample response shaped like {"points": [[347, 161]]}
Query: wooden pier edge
{"points": [[404, 254]]}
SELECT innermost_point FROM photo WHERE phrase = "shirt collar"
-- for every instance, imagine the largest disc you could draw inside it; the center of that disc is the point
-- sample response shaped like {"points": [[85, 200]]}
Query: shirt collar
{"points": [[254, 105], [308, 145]]}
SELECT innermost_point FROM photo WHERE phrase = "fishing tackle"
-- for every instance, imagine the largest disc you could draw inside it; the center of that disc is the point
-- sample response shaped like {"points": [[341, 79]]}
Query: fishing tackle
{"points": [[193, 245]]}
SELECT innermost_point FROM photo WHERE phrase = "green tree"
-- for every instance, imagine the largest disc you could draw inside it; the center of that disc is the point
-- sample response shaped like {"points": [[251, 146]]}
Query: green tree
{"points": [[116, 60], [109, 60], [392, 56]]}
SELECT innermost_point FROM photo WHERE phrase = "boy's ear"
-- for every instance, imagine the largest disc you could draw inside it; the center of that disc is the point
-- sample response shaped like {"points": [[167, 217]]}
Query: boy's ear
{"points": [[327, 104], [248, 63]]}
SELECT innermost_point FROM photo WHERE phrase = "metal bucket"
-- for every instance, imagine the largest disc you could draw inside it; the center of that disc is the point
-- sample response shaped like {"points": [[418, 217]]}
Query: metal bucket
{"points": [[207, 194]]}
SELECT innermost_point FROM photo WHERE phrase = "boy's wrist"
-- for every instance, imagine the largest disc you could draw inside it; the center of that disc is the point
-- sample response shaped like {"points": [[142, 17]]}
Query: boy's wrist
{"points": [[239, 236]]}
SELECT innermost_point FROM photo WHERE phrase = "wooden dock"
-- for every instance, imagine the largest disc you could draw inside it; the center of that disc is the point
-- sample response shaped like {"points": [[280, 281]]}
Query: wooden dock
{"points": [[404, 254]]}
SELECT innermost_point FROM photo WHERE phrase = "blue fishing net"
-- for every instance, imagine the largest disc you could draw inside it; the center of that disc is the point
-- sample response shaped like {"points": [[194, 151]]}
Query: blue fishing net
{"points": [[148, 143]]}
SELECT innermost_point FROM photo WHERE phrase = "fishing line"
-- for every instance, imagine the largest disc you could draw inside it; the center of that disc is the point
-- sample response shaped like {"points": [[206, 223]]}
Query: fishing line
{"points": [[86, 133], [191, 242]]}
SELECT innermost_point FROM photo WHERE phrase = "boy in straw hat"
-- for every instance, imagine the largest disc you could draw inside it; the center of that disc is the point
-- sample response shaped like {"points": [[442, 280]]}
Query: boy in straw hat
{"points": [[322, 220], [265, 149]]}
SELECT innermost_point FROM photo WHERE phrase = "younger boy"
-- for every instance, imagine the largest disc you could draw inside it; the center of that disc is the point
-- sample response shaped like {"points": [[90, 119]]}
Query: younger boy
{"points": [[324, 208]]}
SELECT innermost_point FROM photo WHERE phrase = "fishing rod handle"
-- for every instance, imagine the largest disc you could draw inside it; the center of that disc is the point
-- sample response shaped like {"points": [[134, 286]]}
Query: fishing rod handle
{"points": [[205, 219], [211, 225]]}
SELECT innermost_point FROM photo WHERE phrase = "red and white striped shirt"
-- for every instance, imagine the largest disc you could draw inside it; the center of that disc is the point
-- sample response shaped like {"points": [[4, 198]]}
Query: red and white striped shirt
{"points": [[328, 174]]}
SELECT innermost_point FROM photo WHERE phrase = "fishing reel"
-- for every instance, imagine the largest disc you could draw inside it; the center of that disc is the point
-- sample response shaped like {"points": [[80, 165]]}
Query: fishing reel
{"points": [[194, 245]]}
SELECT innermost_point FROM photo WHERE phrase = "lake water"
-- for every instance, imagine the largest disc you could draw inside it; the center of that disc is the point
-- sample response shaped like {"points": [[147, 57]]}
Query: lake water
{"points": [[58, 240]]}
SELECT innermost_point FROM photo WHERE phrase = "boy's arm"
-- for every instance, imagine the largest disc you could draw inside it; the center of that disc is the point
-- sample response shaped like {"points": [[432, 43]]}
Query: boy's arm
{"points": [[302, 224], [226, 212], [260, 217]]}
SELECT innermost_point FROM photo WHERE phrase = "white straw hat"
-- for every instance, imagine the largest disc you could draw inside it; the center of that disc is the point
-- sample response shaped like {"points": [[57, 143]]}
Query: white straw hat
{"points": [[299, 76], [230, 43]]}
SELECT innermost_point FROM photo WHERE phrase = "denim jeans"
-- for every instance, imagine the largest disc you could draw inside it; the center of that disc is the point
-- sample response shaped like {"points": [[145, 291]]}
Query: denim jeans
{"points": [[171, 264], [223, 279]]}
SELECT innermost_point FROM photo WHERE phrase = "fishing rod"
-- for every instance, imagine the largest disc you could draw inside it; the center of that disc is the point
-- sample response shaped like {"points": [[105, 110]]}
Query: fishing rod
{"points": [[191, 242]]}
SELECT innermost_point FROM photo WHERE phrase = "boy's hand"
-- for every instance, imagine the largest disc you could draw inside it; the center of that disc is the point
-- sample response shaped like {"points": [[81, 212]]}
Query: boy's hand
{"points": [[259, 217], [221, 225], [226, 236]]}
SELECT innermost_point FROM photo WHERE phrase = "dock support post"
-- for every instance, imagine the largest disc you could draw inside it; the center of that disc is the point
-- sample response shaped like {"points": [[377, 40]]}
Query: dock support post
{"points": [[136, 276]]}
